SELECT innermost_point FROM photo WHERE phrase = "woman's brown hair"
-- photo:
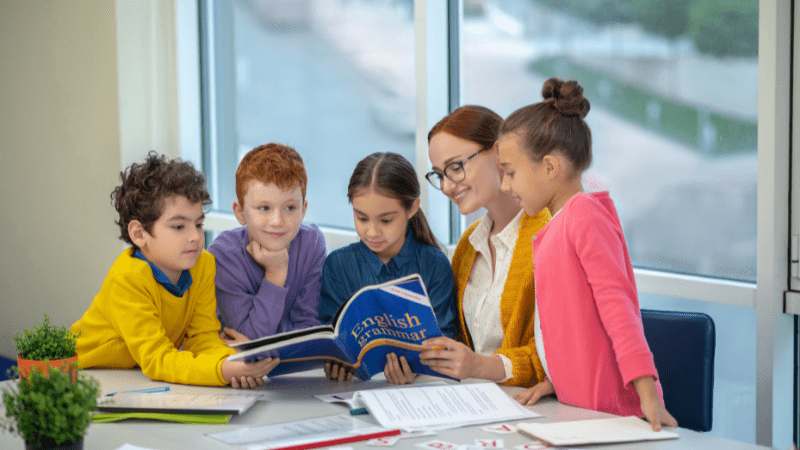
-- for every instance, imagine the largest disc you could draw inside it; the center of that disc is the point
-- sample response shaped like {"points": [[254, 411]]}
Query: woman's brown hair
{"points": [[471, 122]]}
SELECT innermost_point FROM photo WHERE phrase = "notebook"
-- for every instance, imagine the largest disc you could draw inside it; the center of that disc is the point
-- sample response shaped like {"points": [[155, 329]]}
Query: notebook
{"points": [[178, 402], [595, 431]]}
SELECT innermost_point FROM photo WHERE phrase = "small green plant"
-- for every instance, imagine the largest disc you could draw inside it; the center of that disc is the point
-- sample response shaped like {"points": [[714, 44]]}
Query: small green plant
{"points": [[50, 411], [46, 342]]}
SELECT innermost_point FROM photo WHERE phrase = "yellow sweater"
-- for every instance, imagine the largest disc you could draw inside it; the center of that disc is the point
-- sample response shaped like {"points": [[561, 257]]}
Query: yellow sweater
{"points": [[516, 303], [133, 321]]}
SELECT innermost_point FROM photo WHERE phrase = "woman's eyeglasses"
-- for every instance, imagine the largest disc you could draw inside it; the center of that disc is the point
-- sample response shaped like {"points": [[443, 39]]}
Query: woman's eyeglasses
{"points": [[453, 171]]}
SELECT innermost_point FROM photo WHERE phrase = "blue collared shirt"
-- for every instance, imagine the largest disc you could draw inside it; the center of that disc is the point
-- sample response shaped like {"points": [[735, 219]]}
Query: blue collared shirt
{"points": [[350, 268], [184, 282]]}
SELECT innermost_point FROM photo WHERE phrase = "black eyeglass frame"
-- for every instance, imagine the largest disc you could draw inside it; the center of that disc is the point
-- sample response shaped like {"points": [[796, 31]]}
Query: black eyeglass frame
{"points": [[459, 164]]}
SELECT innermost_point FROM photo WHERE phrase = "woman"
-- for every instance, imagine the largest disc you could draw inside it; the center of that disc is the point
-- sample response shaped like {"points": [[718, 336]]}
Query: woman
{"points": [[492, 263]]}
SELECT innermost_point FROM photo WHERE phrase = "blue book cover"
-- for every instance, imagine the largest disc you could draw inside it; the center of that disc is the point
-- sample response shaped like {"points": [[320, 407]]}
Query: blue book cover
{"points": [[393, 317]]}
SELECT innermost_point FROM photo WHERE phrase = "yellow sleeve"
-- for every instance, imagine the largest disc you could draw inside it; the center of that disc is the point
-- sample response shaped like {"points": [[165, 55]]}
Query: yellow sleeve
{"points": [[517, 307], [132, 304], [202, 333]]}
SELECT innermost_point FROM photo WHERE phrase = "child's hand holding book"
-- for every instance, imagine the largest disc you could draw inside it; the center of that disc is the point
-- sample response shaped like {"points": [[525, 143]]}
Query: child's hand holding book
{"points": [[247, 375]]}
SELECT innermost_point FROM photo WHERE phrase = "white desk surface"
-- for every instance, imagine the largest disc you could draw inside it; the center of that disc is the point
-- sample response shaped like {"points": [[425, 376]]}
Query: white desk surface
{"points": [[291, 398]]}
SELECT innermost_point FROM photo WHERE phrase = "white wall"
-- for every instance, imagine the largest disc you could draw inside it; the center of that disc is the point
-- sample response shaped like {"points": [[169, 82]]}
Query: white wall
{"points": [[60, 148]]}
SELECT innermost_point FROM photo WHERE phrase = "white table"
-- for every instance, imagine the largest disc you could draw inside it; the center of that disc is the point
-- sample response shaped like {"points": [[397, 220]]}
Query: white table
{"points": [[291, 398]]}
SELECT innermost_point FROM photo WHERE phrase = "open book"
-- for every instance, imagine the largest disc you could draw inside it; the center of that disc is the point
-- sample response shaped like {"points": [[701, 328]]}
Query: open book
{"points": [[393, 317]]}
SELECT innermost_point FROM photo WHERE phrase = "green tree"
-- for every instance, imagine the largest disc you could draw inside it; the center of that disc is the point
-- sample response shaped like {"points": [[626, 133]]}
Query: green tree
{"points": [[724, 27]]}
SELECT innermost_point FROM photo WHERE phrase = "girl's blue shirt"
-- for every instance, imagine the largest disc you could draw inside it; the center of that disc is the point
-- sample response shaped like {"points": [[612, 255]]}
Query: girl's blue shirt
{"points": [[350, 268]]}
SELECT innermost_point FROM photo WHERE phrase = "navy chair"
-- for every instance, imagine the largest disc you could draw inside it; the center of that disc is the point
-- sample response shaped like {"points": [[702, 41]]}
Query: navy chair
{"points": [[5, 364], [683, 348]]}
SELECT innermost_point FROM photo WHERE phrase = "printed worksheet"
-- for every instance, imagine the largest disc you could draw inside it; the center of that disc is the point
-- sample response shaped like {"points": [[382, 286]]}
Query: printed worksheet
{"points": [[439, 407]]}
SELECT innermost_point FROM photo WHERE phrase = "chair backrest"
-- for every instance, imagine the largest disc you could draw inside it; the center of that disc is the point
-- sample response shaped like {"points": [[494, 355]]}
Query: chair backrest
{"points": [[683, 348]]}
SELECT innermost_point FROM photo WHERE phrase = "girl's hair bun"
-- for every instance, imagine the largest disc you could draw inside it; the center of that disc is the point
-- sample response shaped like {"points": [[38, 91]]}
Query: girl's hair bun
{"points": [[566, 97]]}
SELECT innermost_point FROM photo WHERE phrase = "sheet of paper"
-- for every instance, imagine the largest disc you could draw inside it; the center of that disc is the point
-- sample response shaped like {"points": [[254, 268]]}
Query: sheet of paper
{"points": [[596, 431], [347, 397], [440, 407], [301, 432]]}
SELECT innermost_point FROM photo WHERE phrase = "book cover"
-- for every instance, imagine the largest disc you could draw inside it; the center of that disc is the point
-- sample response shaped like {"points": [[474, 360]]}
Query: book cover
{"points": [[393, 317]]}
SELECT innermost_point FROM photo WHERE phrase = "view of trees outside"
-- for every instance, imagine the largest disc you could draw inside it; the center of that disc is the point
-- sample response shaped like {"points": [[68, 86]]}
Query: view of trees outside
{"points": [[332, 78], [673, 87]]}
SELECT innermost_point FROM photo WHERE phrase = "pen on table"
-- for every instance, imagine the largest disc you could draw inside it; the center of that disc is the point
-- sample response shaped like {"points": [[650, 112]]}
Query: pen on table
{"points": [[143, 391]]}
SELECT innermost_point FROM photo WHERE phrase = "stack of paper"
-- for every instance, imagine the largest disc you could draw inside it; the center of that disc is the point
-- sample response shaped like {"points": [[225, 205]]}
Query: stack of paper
{"points": [[596, 431], [440, 407]]}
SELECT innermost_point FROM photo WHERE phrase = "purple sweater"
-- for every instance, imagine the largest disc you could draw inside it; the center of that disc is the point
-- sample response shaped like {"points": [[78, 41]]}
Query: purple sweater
{"points": [[254, 306]]}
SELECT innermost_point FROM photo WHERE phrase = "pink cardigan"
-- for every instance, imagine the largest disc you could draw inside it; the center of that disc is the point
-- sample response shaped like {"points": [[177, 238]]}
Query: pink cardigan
{"points": [[589, 309]]}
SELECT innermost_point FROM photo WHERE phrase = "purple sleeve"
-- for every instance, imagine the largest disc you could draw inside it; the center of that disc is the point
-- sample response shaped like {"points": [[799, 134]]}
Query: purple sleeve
{"points": [[246, 301], [304, 312]]}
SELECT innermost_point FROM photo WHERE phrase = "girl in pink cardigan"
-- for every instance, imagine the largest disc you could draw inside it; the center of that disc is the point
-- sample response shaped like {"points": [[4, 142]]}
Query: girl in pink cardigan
{"points": [[588, 326]]}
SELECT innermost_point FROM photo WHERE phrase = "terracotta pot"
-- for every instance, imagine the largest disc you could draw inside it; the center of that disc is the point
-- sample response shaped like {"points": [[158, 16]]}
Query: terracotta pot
{"points": [[26, 365]]}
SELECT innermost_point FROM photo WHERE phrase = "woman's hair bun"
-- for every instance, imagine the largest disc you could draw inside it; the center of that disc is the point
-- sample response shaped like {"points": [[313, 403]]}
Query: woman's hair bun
{"points": [[566, 97]]}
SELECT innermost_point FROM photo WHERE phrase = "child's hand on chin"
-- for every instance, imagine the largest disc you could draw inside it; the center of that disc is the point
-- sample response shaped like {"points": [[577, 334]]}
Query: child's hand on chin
{"points": [[247, 375], [274, 263], [533, 394]]}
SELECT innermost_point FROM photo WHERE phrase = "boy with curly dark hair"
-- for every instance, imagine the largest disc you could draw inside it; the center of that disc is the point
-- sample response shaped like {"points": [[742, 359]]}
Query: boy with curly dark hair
{"points": [[156, 308]]}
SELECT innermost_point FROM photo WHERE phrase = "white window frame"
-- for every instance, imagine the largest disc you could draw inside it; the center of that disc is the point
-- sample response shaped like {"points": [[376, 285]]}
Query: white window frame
{"points": [[775, 328]]}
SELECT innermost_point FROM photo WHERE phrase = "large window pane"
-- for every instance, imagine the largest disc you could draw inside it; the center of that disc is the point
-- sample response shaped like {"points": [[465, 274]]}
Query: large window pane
{"points": [[332, 78], [673, 87]]}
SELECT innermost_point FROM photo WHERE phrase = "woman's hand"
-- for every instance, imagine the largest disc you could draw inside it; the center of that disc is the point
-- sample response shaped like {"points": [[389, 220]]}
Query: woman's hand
{"points": [[397, 370], [244, 375], [652, 407], [230, 336], [533, 394], [337, 372], [456, 360]]}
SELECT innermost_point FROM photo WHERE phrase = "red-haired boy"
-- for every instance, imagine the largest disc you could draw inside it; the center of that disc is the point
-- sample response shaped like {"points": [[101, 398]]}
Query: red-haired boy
{"points": [[156, 307], [269, 271]]}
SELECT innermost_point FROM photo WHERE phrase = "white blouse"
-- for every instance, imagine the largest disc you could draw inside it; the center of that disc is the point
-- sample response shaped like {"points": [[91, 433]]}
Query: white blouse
{"points": [[537, 329], [485, 285]]}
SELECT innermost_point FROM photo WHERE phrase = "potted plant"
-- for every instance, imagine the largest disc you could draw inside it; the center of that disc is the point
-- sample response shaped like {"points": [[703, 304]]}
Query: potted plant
{"points": [[49, 410], [46, 346]]}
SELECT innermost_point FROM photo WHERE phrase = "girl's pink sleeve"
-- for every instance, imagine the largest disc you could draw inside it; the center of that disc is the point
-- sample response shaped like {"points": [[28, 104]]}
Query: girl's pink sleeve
{"points": [[601, 250]]}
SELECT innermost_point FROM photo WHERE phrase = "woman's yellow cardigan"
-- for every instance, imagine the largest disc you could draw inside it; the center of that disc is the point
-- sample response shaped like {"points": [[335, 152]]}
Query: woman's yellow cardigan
{"points": [[516, 304]]}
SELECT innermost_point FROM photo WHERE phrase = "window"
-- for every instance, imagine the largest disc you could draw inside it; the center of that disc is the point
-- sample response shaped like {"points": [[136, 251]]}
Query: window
{"points": [[675, 104], [333, 79], [673, 88]]}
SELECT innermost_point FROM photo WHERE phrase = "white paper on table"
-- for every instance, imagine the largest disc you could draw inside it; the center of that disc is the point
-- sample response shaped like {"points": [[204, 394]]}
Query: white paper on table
{"points": [[595, 431], [297, 433], [440, 407], [347, 397]]}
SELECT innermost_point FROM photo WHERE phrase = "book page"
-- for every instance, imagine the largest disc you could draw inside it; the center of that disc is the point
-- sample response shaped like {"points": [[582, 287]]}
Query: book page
{"points": [[596, 431], [439, 407]]}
